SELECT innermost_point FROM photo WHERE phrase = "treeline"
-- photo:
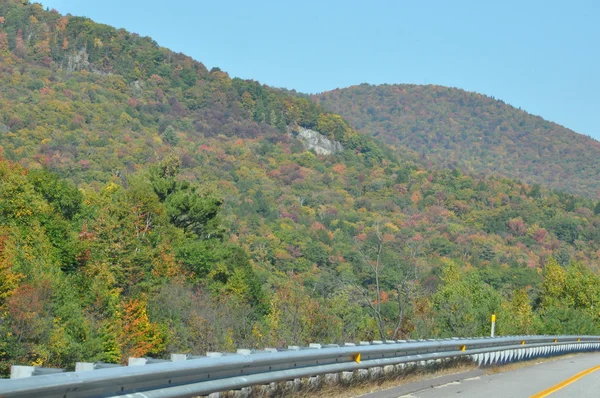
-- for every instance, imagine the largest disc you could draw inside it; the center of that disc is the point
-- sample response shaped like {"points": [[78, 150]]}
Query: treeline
{"points": [[146, 268]]}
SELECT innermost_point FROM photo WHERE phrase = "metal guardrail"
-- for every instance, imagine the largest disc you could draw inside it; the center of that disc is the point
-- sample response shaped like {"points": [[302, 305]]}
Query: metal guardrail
{"points": [[186, 376]]}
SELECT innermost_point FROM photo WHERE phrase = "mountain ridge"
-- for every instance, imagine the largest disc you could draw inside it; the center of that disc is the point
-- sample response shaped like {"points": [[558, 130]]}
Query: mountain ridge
{"points": [[452, 127]]}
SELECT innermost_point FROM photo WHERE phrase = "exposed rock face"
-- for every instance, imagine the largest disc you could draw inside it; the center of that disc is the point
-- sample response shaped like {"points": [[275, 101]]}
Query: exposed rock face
{"points": [[318, 142], [80, 61]]}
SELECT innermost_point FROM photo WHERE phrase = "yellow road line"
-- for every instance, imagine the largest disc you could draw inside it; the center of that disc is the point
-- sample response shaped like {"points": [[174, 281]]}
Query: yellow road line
{"points": [[565, 383]]}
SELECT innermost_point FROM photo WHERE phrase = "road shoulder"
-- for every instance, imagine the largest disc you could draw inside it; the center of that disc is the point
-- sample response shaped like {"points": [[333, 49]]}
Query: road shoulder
{"points": [[425, 384]]}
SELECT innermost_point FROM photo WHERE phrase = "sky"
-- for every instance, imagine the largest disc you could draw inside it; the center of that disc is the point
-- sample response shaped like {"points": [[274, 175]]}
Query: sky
{"points": [[541, 56]]}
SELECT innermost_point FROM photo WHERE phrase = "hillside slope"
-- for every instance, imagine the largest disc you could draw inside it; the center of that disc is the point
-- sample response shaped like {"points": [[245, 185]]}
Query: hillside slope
{"points": [[455, 128], [91, 101]]}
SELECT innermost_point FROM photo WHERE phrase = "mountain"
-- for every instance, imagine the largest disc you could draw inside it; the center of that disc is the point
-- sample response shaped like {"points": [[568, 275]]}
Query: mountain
{"points": [[450, 127], [150, 206], [91, 101]]}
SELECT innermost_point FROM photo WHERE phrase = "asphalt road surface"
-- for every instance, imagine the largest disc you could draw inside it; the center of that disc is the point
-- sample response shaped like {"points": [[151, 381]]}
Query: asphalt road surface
{"points": [[573, 376]]}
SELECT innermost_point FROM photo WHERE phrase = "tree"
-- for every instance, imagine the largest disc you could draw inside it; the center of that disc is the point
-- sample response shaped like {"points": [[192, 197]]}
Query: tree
{"points": [[389, 286], [516, 316], [3, 41], [553, 287], [569, 298], [20, 48], [162, 176], [9, 280], [64, 196], [597, 208], [297, 318], [194, 212], [139, 336], [463, 303], [170, 136], [333, 126]]}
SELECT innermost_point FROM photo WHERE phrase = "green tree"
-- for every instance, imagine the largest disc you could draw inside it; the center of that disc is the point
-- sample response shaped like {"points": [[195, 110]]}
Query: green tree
{"points": [[463, 303], [170, 136], [568, 299], [516, 316]]}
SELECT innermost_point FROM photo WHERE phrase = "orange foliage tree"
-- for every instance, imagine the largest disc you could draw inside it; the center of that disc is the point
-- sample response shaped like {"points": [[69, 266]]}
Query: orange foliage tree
{"points": [[139, 336]]}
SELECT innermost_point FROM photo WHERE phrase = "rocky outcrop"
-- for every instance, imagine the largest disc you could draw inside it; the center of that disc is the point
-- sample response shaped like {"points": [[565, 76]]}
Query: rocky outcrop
{"points": [[313, 140], [79, 60]]}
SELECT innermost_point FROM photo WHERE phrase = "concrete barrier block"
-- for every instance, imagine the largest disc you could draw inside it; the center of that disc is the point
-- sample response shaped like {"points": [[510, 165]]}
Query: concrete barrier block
{"points": [[375, 372], [363, 373], [332, 378], [347, 376]]}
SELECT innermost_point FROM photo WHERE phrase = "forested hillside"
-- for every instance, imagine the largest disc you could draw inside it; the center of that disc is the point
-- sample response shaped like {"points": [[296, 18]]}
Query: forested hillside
{"points": [[150, 206], [450, 127], [93, 102]]}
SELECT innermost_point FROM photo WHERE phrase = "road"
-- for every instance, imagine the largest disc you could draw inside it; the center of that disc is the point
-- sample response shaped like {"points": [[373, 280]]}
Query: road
{"points": [[572, 376]]}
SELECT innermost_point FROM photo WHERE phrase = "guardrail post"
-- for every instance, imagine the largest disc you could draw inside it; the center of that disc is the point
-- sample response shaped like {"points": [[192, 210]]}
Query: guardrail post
{"points": [[84, 366], [179, 357], [136, 361], [20, 372]]}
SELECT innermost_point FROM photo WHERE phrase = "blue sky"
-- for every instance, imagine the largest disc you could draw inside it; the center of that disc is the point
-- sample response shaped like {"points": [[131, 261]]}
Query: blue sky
{"points": [[542, 56]]}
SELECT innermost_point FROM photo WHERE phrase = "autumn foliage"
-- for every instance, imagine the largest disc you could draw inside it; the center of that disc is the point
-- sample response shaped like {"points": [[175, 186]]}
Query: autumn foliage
{"points": [[448, 127], [150, 206]]}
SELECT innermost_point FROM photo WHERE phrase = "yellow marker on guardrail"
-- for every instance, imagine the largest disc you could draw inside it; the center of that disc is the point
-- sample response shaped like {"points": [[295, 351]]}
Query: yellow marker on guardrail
{"points": [[493, 324], [356, 358]]}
